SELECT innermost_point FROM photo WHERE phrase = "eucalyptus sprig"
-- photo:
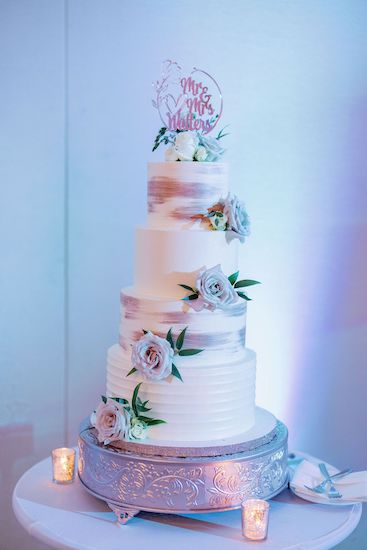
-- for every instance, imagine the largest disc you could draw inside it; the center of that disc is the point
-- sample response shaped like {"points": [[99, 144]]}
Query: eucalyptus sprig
{"points": [[221, 134], [241, 284], [137, 407], [163, 137]]}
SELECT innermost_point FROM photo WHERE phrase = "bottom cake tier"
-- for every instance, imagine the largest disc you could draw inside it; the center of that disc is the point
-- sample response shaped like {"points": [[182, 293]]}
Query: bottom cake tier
{"points": [[213, 402], [133, 481]]}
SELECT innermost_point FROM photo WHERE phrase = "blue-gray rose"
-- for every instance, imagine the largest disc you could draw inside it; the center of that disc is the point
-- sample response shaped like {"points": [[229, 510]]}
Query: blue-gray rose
{"points": [[238, 220], [152, 357], [215, 290], [213, 148]]}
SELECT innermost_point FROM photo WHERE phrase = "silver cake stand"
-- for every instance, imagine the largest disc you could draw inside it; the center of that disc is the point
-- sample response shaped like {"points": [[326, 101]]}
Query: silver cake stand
{"points": [[169, 479]]}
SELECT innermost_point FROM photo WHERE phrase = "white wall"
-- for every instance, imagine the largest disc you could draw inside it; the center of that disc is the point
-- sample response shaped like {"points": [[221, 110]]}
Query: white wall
{"points": [[32, 179], [75, 133]]}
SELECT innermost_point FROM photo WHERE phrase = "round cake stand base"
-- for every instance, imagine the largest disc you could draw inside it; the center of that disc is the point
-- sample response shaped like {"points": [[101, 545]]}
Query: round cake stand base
{"points": [[131, 482]]}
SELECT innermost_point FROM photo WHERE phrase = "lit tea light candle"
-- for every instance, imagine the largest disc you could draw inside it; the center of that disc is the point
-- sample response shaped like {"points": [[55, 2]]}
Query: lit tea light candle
{"points": [[63, 465], [255, 519]]}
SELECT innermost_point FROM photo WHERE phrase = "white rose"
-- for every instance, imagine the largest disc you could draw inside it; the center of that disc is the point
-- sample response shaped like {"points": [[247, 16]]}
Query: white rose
{"points": [[219, 221], [185, 145], [170, 154], [111, 420], [152, 357], [138, 429], [201, 153]]}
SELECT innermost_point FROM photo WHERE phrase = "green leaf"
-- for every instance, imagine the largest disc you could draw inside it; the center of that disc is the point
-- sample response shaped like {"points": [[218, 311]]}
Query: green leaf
{"points": [[151, 421], [143, 409], [142, 406], [159, 138], [191, 297], [221, 134], [169, 338], [104, 399], [134, 398], [246, 282], [233, 278], [145, 419], [176, 373], [244, 296], [180, 339], [156, 421], [120, 400], [185, 352], [131, 371], [186, 287]]}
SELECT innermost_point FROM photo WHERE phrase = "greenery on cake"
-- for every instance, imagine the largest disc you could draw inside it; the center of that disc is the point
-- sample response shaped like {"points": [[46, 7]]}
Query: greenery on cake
{"points": [[190, 145], [153, 356], [215, 290], [115, 419]]}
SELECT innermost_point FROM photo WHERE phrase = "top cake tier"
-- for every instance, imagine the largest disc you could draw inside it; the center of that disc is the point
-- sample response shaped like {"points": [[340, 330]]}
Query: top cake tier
{"points": [[177, 191]]}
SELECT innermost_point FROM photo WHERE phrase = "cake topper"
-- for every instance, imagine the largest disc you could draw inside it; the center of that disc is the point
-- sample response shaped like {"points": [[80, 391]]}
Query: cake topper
{"points": [[189, 107], [187, 102]]}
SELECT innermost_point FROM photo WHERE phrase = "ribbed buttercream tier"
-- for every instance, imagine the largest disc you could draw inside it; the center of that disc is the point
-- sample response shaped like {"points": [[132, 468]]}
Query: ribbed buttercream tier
{"points": [[213, 402], [220, 333], [166, 258], [179, 190]]}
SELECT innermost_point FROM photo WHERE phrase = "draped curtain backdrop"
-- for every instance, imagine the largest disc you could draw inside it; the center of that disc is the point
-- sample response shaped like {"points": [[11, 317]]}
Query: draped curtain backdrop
{"points": [[76, 130]]}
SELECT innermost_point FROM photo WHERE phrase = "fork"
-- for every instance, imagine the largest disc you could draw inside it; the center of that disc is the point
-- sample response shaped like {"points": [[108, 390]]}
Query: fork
{"points": [[333, 492], [320, 488]]}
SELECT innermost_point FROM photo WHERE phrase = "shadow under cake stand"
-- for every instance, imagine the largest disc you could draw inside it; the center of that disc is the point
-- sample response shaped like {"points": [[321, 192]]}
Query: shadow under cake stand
{"points": [[189, 478]]}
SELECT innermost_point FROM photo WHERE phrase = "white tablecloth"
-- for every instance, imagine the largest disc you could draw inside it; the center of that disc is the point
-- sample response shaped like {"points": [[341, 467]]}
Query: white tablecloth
{"points": [[66, 516]]}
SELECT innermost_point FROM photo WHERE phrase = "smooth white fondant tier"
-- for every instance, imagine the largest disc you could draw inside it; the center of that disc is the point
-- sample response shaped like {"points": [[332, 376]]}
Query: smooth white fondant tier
{"points": [[179, 190], [165, 258], [221, 333], [212, 402]]}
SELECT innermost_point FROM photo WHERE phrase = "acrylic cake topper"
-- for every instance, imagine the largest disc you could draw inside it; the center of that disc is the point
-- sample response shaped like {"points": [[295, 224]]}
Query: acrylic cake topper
{"points": [[190, 102]]}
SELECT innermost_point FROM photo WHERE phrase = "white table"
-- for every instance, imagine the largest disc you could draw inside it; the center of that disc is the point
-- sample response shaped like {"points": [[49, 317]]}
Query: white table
{"points": [[66, 516]]}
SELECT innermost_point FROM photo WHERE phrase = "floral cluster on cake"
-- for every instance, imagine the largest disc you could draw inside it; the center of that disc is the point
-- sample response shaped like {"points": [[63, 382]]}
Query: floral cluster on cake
{"points": [[214, 290], [190, 145], [152, 356], [229, 215], [115, 419]]}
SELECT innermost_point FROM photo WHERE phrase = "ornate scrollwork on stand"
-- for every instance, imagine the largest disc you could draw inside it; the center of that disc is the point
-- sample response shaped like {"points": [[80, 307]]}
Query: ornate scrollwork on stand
{"points": [[130, 481], [232, 483]]}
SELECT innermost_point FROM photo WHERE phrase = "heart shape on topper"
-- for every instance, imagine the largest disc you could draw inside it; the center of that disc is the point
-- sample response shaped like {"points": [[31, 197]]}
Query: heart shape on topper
{"points": [[188, 103], [173, 105]]}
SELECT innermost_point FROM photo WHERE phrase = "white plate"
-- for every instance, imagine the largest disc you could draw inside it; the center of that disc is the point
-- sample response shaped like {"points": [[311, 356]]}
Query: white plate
{"points": [[320, 499], [317, 499]]}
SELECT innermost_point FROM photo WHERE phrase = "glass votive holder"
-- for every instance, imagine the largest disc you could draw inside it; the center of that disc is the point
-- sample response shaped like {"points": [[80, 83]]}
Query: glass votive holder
{"points": [[255, 519], [63, 465]]}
